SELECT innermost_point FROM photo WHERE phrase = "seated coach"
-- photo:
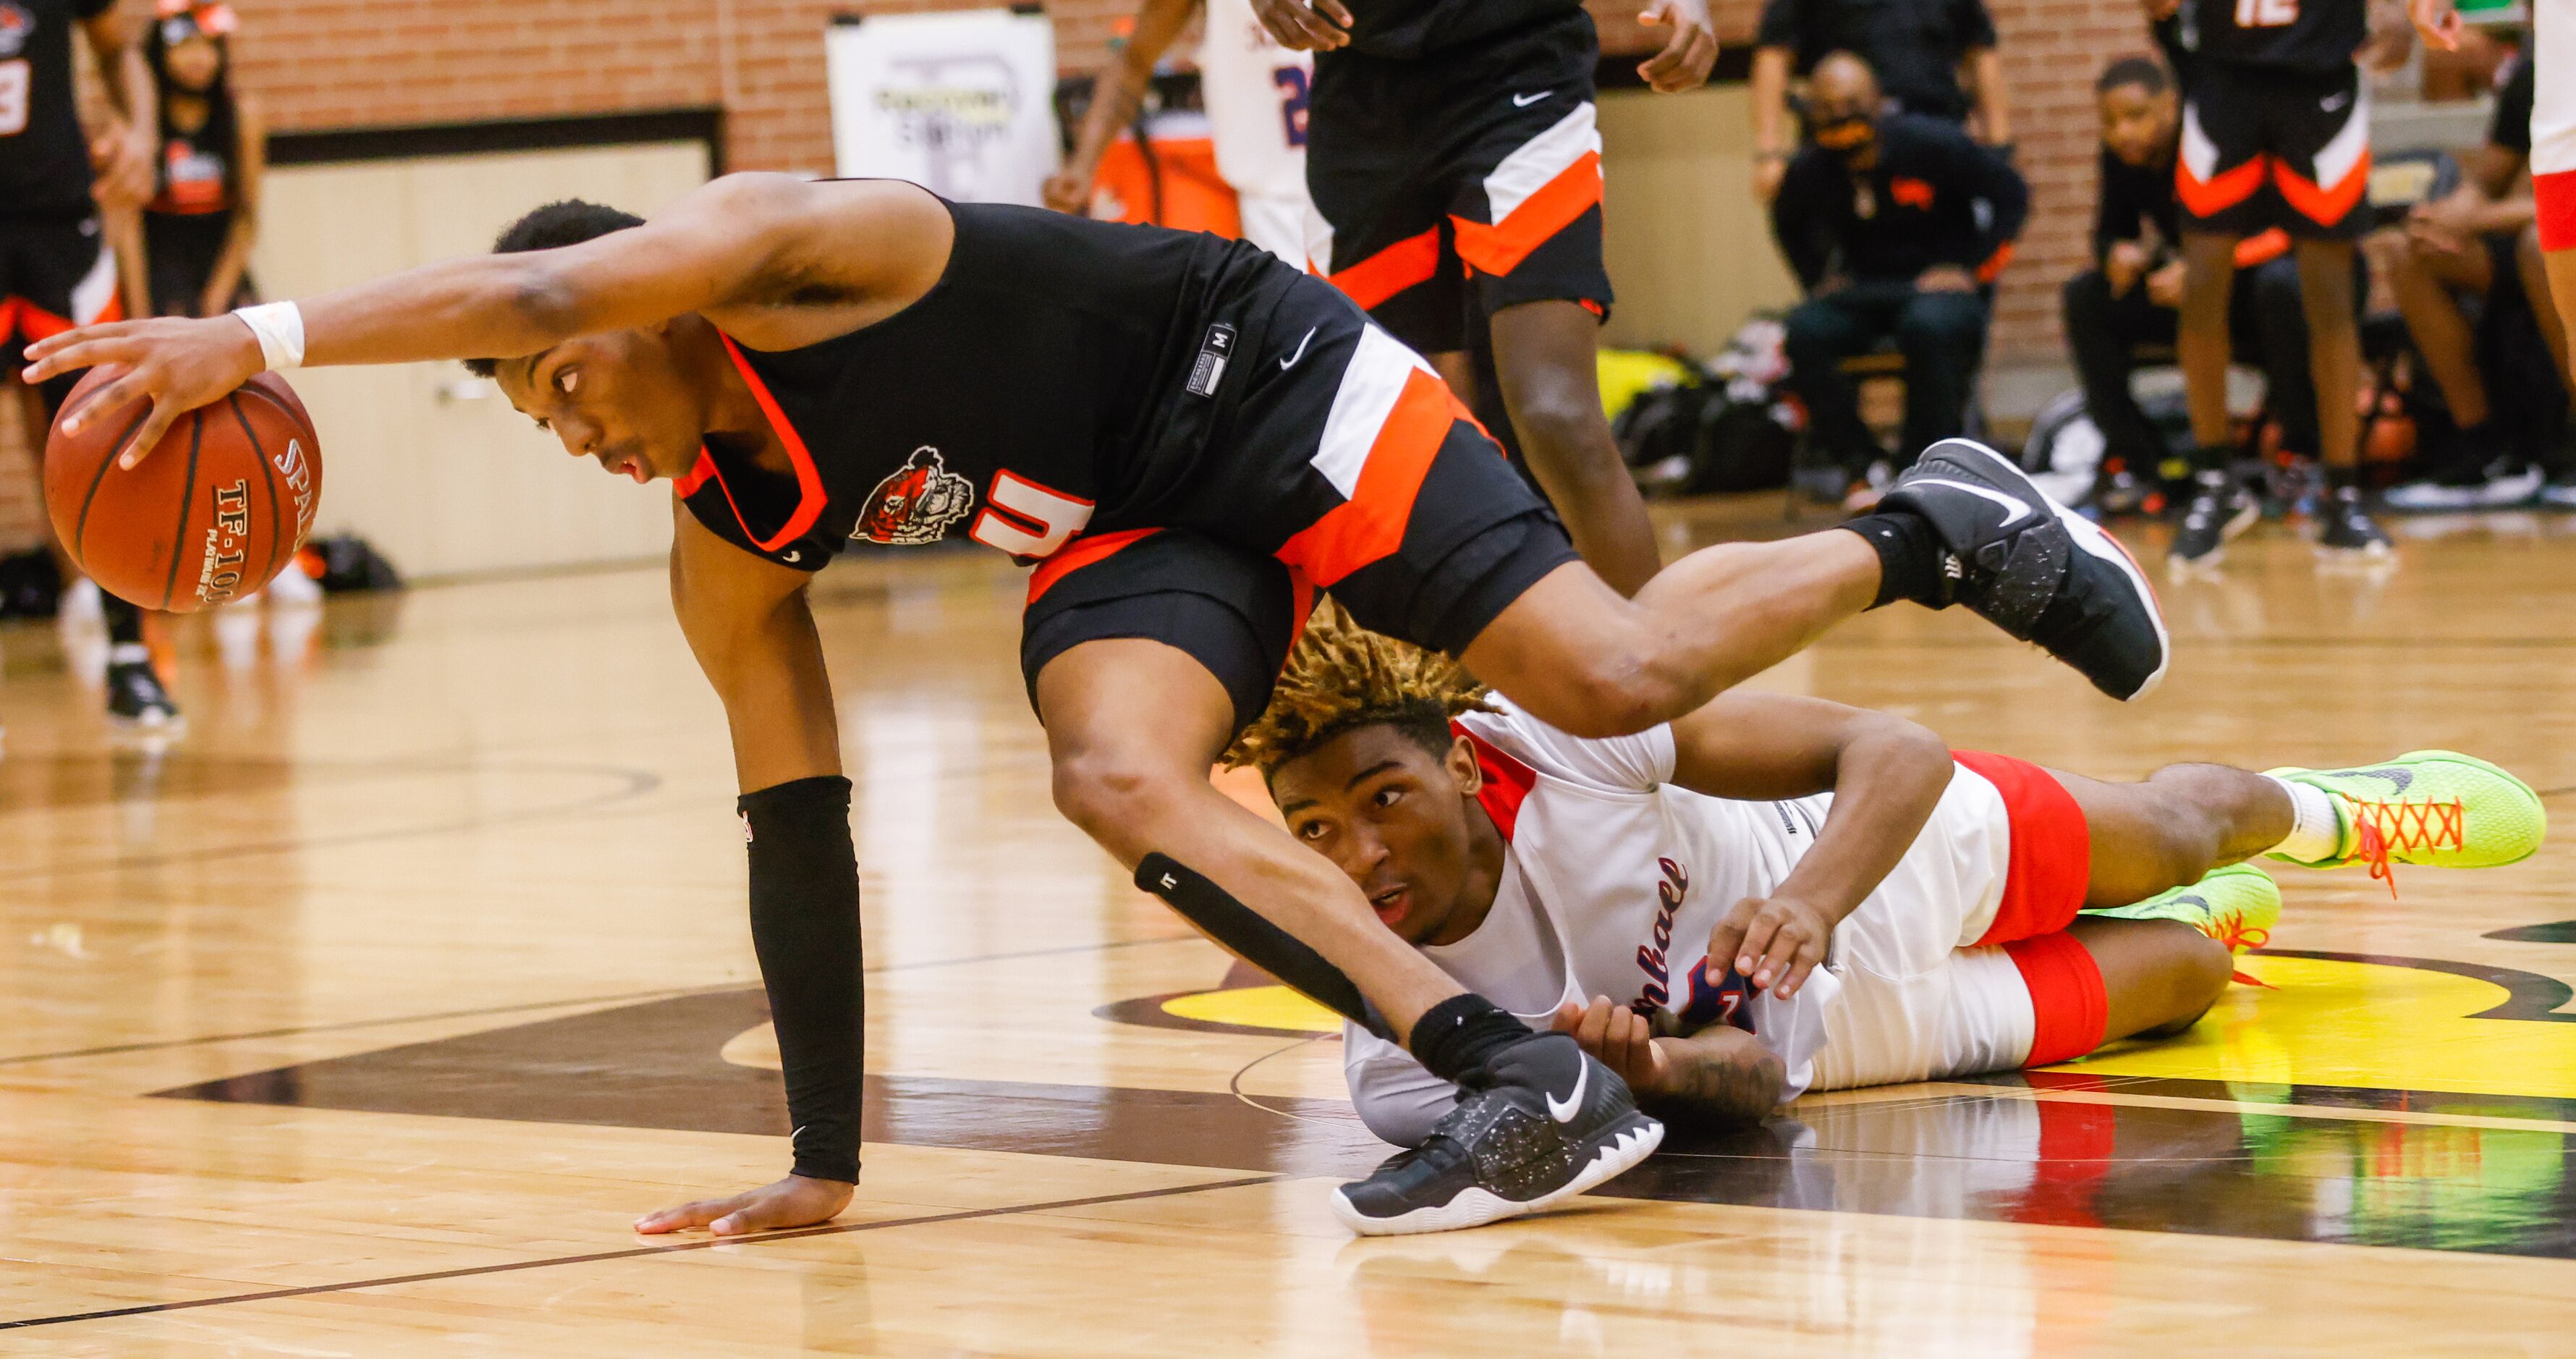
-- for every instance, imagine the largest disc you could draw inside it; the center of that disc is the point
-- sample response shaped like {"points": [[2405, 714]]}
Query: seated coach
{"points": [[1894, 223]]}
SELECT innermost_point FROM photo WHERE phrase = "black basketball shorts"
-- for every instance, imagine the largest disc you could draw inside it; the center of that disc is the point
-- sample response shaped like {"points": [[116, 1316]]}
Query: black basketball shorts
{"points": [[1343, 464], [2264, 147], [56, 272], [1450, 186]]}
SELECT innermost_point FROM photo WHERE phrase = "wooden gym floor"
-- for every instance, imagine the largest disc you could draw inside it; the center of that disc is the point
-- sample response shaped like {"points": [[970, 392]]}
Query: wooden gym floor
{"points": [[364, 1019]]}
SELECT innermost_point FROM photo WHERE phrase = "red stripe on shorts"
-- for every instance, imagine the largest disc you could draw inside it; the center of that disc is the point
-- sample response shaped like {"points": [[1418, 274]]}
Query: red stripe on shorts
{"points": [[2069, 1007], [2052, 849], [2555, 196], [1079, 553]]}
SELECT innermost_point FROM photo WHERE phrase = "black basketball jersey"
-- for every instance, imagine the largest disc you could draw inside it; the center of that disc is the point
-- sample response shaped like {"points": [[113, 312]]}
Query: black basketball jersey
{"points": [[2307, 35], [44, 160], [1412, 28], [1061, 373]]}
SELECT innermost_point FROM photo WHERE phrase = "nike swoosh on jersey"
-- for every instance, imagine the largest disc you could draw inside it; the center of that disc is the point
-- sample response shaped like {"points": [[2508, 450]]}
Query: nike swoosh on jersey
{"points": [[1573, 1104], [1522, 101], [1291, 361], [2016, 509]]}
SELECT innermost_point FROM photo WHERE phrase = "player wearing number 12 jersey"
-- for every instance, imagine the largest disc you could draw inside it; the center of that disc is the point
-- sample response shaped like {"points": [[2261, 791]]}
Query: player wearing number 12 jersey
{"points": [[1188, 438], [1254, 91]]}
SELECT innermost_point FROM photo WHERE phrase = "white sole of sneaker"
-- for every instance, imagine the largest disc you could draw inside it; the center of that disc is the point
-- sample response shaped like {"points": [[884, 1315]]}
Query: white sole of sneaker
{"points": [[1475, 1207], [2093, 538]]}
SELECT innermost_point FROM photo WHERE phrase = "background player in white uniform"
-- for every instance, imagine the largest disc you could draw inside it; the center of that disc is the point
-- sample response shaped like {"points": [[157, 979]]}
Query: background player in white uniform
{"points": [[1668, 897], [1254, 91]]}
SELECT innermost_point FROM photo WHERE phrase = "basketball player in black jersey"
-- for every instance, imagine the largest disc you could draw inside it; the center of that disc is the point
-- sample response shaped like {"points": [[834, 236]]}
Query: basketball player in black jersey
{"points": [[56, 268], [2276, 134], [1454, 163], [1188, 438]]}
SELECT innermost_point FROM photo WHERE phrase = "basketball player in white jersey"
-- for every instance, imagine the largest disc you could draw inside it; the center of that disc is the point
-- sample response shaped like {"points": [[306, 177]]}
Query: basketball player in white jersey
{"points": [[2553, 131], [1778, 894], [1254, 91]]}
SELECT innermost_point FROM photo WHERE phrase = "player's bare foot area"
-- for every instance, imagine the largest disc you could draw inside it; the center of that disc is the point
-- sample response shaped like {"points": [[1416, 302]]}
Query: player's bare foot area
{"points": [[792, 1202]]}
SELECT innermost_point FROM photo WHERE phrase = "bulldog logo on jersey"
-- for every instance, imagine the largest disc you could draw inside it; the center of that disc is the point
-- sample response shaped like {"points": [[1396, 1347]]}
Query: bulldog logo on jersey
{"points": [[918, 504]]}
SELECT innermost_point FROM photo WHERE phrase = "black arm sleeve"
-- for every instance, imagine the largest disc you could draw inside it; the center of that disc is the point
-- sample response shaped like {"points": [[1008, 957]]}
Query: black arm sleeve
{"points": [[1799, 218], [805, 929], [1779, 28]]}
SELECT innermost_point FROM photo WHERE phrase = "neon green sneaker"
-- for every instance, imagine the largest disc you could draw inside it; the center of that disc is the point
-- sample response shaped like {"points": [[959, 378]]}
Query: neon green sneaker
{"points": [[2237, 905], [2430, 807]]}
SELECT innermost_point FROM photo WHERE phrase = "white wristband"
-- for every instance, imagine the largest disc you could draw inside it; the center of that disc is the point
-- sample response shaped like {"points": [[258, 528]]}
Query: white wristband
{"points": [[280, 330]]}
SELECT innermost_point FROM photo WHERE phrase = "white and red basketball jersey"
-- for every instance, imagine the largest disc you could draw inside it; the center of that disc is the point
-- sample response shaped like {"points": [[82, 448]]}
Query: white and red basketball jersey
{"points": [[1255, 94], [2553, 121], [1614, 877]]}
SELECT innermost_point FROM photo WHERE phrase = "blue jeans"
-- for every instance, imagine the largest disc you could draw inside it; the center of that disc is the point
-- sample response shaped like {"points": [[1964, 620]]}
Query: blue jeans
{"points": [[1942, 336]]}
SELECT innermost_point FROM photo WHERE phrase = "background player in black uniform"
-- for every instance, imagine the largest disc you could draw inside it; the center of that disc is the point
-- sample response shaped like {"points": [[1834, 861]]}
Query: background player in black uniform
{"points": [[2129, 297], [2276, 134], [56, 269], [1196, 437], [203, 218], [1452, 155]]}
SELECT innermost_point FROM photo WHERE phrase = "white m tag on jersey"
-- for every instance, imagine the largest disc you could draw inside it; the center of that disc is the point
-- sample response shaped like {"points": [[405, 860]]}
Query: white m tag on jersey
{"points": [[1213, 353]]}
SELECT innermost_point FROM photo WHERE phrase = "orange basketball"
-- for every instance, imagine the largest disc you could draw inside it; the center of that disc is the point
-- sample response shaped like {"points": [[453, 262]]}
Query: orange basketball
{"points": [[217, 510]]}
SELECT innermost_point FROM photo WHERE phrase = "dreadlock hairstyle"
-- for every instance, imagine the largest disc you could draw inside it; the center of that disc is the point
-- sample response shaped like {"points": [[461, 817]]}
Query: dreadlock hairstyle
{"points": [[1341, 676]]}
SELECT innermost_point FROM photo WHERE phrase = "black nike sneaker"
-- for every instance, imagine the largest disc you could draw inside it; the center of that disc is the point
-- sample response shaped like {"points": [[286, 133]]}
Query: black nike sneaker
{"points": [[2036, 569], [2219, 510], [2346, 527], [1513, 1145], [135, 696]]}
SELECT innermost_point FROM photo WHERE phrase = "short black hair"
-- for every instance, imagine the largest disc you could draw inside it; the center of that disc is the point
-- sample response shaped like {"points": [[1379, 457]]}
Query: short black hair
{"points": [[568, 221], [2146, 73]]}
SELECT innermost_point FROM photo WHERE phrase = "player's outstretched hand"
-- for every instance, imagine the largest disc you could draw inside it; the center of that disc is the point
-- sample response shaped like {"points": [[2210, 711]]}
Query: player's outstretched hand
{"points": [[174, 363], [1775, 941], [1687, 56], [1622, 1040], [792, 1202], [1322, 26]]}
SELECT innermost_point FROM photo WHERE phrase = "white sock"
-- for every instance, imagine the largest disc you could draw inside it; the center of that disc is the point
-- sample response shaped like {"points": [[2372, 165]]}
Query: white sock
{"points": [[2316, 828], [127, 653]]}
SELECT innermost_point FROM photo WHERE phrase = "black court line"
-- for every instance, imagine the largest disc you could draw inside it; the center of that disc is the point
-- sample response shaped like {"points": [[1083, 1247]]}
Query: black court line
{"points": [[657, 993], [2245, 643], [630, 1253]]}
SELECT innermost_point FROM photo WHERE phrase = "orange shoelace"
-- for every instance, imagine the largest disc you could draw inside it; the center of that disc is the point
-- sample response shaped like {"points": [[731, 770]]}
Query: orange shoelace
{"points": [[2239, 937], [2382, 828]]}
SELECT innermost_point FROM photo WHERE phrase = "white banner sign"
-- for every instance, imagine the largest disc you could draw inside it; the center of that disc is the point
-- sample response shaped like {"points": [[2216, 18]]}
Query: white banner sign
{"points": [[962, 103]]}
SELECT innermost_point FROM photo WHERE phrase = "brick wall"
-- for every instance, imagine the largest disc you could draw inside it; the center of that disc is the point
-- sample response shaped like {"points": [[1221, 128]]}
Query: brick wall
{"points": [[321, 64]]}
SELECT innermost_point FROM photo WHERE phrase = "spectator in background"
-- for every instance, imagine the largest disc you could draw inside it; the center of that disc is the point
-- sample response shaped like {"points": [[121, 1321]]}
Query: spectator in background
{"points": [[1893, 222], [1917, 48], [2479, 240], [203, 217], [2129, 297]]}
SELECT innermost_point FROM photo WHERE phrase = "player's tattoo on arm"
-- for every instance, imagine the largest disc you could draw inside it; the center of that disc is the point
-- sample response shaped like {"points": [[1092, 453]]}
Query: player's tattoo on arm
{"points": [[1734, 1084]]}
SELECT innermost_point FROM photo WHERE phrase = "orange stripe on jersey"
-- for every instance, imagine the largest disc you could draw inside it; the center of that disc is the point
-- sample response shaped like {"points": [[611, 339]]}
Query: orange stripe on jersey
{"points": [[2322, 204], [2216, 194], [1392, 270], [1499, 249], [688, 486], [1995, 263], [809, 479], [1082, 552], [1370, 525], [2262, 248]]}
